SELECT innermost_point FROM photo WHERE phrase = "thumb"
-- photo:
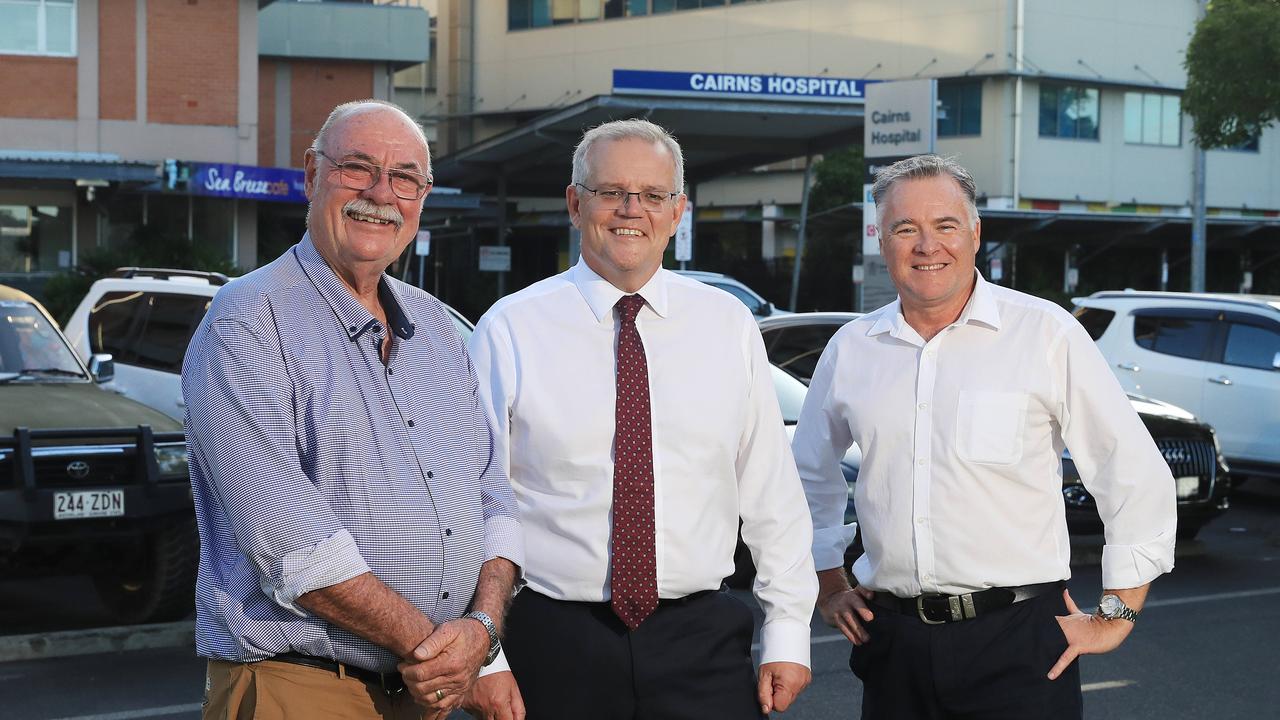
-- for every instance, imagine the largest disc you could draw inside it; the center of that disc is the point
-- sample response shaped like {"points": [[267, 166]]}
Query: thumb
{"points": [[1071, 604], [434, 644], [764, 692]]}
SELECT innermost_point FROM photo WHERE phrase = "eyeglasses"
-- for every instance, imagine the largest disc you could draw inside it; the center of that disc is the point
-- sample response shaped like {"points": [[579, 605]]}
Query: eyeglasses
{"points": [[613, 198], [359, 175]]}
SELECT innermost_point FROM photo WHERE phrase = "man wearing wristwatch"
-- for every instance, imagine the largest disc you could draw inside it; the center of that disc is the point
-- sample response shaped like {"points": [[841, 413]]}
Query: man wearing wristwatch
{"points": [[962, 396]]}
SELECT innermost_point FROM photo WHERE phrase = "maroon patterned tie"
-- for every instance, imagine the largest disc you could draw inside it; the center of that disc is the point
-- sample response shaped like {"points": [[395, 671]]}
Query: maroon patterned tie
{"points": [[633, 582]]}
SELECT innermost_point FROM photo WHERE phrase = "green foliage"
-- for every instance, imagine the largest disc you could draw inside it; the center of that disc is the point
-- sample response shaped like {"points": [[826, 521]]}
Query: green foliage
{"points": [[1233, 87], [147, 246], [837, 179]]}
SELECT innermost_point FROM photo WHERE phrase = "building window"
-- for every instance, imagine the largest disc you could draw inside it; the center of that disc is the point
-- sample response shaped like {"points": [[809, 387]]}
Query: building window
{"points": [[35, 239], [961, 108], [1152, 119], [1069, 111], [524, 14], [38, 27]]}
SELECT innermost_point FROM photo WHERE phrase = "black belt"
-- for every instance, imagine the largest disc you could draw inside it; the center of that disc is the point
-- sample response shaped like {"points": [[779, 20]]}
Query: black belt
{"points": [[936, 609], [390, 683]]}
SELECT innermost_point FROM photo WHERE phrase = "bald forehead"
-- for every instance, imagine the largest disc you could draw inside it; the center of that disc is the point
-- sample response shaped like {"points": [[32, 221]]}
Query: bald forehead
{"points": [[372, 121]]}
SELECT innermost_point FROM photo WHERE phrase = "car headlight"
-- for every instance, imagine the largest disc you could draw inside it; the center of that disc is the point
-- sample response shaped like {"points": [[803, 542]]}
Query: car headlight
{"points": [[172, 461]]}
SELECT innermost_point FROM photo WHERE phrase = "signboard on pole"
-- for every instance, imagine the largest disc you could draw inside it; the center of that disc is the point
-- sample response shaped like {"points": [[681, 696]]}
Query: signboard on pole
{"points": [[900, 118], [684, 235], [495, 258]]}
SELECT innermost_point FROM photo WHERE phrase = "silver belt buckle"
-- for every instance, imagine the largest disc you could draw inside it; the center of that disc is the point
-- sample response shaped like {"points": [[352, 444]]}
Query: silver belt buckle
{"points": [[920, 612]]}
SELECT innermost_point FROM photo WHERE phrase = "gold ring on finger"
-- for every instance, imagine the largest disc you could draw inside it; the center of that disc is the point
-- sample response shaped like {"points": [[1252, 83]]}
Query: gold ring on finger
{"points": [[439, 695]]}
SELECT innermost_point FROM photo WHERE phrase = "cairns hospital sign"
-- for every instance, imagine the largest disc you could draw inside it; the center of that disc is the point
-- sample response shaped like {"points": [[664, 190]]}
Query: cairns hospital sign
{"points": [[740, 85]]}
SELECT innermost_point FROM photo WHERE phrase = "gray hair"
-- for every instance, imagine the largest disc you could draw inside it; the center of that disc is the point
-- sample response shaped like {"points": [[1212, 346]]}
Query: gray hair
{"points": [[921, 167], [347, 108], [626, 130]]}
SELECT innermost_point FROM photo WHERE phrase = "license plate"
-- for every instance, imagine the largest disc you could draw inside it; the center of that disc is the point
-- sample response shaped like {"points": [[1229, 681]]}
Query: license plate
{"points": [[88, 504], [1188, 487]]}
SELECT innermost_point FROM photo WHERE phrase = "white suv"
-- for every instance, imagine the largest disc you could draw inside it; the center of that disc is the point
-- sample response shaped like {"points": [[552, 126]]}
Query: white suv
{"points": [[144, 318], [1218, 356]]}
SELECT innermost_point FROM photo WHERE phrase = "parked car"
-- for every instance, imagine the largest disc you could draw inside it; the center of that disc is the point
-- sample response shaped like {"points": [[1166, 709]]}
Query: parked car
{"points": [[145, 318], [795, 342], [752, 299], [90, 482], [1217, 356]]}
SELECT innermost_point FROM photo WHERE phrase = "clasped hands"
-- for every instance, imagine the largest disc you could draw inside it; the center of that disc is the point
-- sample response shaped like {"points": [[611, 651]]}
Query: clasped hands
{"points": [[443, 667]]}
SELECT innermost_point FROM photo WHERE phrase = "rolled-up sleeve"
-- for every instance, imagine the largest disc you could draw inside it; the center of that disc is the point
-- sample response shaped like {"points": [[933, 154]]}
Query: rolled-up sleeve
{"points": [[1118, 463], [775, 523], [242, 433], [821, 440]]}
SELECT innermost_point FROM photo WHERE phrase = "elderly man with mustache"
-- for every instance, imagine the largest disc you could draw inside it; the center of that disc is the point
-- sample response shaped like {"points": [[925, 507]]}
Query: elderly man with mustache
{"points": [[359, 540]]}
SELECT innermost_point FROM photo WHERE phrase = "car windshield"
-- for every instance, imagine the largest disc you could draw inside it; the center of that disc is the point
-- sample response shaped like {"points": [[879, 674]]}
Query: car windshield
{"points": [[31, 350]]}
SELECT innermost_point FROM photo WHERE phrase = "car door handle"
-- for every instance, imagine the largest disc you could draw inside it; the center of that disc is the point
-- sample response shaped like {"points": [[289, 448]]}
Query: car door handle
{"points": [[1221, 380], [1132, 367]]}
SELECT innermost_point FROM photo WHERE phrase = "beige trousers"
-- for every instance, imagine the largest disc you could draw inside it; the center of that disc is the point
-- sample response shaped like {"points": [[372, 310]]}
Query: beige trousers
{"points": [[272, 690]]}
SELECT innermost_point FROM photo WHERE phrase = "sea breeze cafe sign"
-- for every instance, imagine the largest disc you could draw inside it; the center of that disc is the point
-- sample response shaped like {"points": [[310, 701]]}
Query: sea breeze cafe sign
{"points": [[247, 182], [739, 85]]}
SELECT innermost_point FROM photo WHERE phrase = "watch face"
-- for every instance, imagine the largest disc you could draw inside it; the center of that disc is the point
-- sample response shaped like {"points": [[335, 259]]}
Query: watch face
{"points": [[1109, 605]]}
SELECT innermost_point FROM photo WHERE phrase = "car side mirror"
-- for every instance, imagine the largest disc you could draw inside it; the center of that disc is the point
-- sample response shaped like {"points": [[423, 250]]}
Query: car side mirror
{"points": [[102, 366], [1275, 362]]}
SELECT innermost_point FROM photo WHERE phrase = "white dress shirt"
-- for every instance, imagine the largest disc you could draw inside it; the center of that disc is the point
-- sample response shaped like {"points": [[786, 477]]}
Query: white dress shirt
{"points": [[961, 480], [545, 358]]}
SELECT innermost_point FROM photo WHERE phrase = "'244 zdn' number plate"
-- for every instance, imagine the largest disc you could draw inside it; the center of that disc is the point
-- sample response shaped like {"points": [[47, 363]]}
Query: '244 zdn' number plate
{"points": [[88, 504]]}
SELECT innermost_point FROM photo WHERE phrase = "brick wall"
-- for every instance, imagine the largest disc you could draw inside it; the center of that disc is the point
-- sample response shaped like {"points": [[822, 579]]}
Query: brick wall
{"points": [[315, 88], [117, 59], [266, 113], [192, 62], [37, 87]]}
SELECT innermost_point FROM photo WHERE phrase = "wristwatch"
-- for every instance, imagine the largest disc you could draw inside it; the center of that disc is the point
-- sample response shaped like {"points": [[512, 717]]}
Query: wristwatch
{"points": [[1111, 607], [494, 644]]}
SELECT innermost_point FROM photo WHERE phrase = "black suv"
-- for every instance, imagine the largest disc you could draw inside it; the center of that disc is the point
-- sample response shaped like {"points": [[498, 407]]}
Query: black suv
{"points": [[90, 482]]}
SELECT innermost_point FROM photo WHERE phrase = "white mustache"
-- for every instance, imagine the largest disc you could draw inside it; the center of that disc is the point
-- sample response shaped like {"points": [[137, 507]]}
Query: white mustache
{"points": [[382, 212]]}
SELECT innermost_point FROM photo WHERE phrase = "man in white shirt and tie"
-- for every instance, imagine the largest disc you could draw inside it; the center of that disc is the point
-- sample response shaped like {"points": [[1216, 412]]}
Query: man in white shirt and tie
{"points": [[637, 414], [962, 396]]}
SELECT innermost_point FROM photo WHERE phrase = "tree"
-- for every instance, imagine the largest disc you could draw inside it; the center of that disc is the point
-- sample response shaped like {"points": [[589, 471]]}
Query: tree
{"points": [[837, 179], [1233, 87]]}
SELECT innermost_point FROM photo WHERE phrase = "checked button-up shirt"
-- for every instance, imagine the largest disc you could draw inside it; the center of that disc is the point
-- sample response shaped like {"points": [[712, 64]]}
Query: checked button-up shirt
{"points": [[313, 463]]}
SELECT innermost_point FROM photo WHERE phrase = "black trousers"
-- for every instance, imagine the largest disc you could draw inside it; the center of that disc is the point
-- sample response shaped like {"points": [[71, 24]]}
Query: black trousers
{"points": [[992, 667], [577, 661]]}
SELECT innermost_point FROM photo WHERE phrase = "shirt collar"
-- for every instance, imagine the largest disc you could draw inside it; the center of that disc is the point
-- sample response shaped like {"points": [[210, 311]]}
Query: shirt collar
{"points": [[981, 308], [355, 318], [601, 295]]}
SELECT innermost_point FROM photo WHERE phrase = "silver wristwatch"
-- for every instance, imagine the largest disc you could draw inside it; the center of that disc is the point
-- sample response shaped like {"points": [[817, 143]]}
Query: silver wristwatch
{"points": [[1111, 607], [494, 644]]}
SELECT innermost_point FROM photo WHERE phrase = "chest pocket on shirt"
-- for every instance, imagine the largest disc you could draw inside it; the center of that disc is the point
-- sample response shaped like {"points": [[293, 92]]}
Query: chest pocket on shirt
{"points": [[989, 426]]}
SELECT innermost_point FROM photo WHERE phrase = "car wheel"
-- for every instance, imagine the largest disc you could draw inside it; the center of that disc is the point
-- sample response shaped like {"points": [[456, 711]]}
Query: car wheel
{"points": [[155, 582]]}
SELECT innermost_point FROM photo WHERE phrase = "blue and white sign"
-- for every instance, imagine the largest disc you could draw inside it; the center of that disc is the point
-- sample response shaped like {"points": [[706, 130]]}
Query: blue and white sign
{"points": [[247, 182], [739, 85]]}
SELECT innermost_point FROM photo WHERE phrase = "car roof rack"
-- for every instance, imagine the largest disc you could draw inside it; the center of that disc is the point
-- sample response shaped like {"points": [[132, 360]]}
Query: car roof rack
{"points": [[214, 278]]}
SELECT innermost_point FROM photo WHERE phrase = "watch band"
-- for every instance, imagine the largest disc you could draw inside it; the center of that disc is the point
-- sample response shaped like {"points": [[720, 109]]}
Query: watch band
{"points": [[489, 627]]}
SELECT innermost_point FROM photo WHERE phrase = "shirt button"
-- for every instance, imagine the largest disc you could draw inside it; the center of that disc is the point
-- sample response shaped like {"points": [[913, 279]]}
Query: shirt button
{"points": [[410, 423], [390, 371], [921, 521], [448, 531], [377, 328], [430, 474], [352, 329], [920, 461], [444, 596], [922, 406]]}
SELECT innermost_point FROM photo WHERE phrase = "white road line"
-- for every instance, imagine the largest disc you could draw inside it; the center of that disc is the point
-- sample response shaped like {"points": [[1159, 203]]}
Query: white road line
{"points": [[1213, 597], [1107, 685], [142, 713]]}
